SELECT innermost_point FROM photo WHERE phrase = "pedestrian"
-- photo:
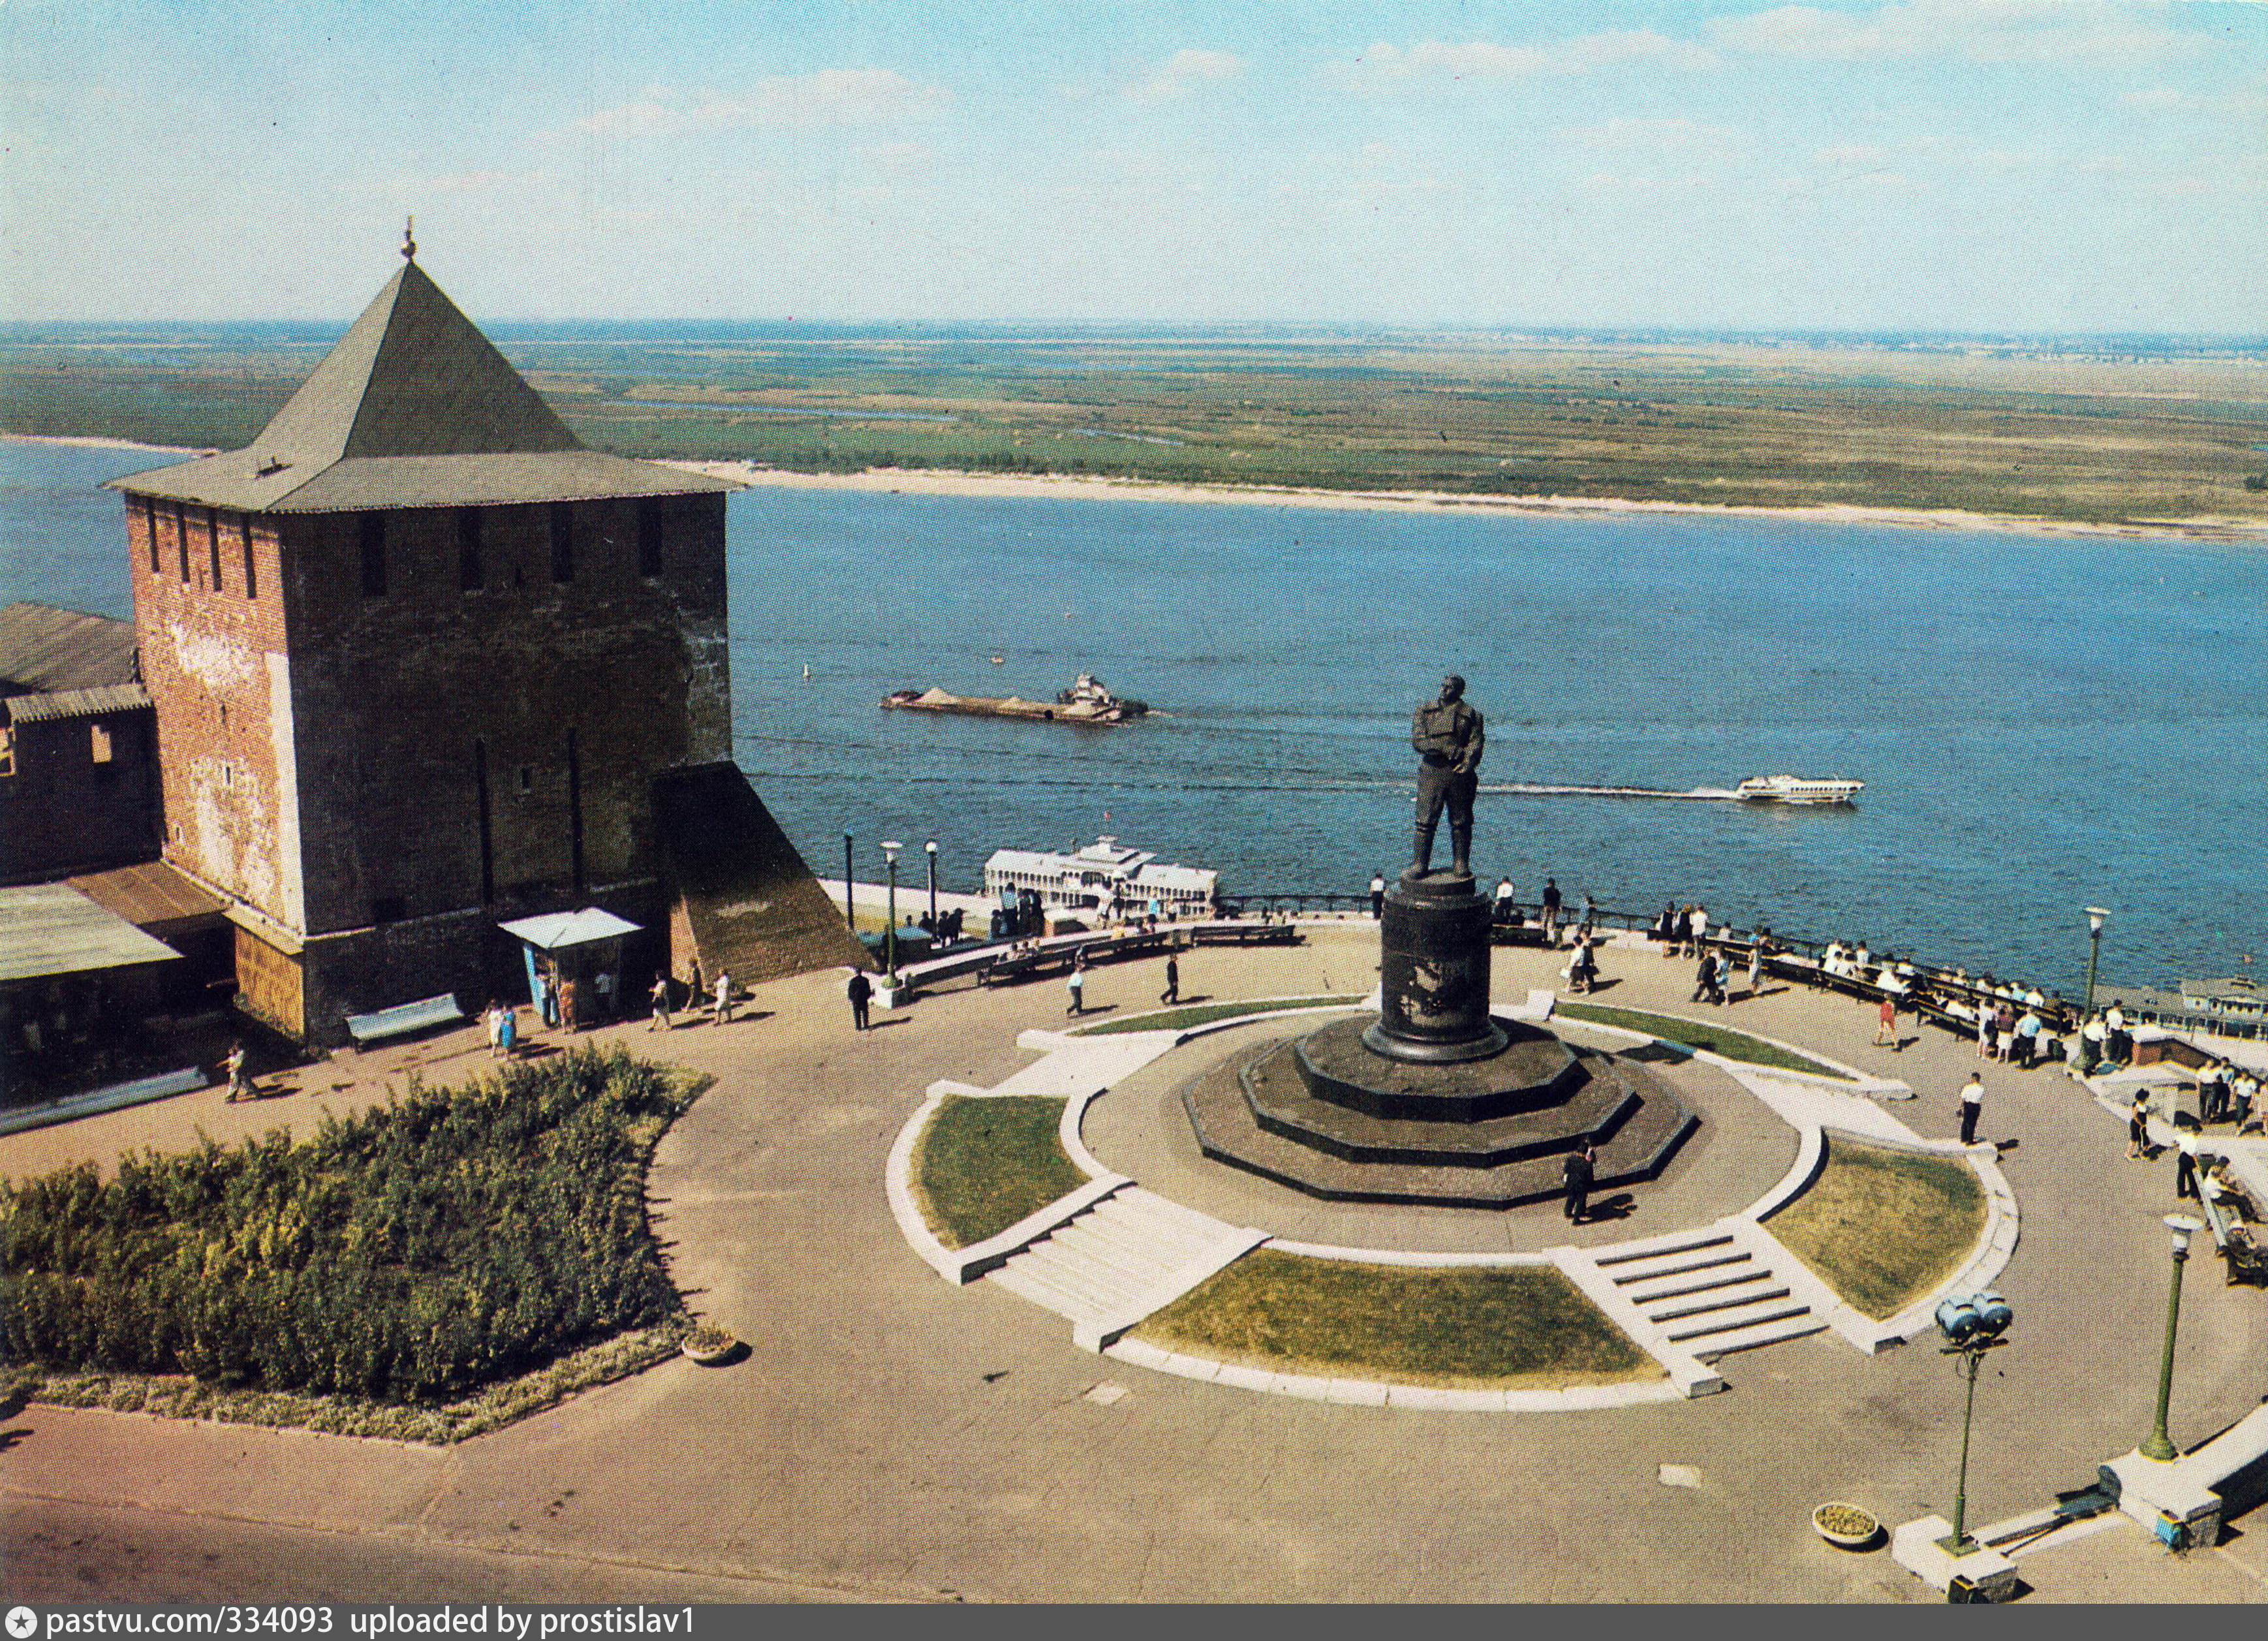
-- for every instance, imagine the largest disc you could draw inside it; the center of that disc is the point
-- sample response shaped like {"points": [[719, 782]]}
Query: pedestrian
{"points": [[860, 992], [2004, 1033], [660, 997], [547, 994], [721, 1009], [1076, 985], [1756, 967], [1501, 912], [1578, 1171], [602, 989], [508, 1032], [240, 1084], [1173, 992], [1550, 911], [2212, 1092], [1988, 1031], [2185, 1168], [1700, 927], [570, 1005], [1972, 1107], [1377, 895], [492, 1023], [1681, 932], [2028, 1037], [1886, 1024], [1705, 979], [2138, 1128], [2243, 1087]]}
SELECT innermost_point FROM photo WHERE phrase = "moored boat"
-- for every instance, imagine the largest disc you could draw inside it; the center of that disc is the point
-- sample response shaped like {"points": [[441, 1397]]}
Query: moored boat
{"points": [[1085, 702], [1791, 789]]}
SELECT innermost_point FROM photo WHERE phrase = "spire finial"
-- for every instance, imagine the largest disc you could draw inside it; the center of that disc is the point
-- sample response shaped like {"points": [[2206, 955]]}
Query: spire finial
{"points": [[408, 241]]}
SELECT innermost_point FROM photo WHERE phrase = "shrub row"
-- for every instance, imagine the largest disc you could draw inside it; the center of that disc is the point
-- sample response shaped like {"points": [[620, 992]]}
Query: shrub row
{"points": [[413, 1251]]}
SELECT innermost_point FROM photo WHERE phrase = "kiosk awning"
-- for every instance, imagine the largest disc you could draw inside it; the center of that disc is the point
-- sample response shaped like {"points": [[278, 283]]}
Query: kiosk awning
{"points": [[554, 931]]}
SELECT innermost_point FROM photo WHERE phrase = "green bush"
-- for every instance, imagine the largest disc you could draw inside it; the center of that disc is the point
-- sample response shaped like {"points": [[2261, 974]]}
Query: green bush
{"points": [[445, 1241]]}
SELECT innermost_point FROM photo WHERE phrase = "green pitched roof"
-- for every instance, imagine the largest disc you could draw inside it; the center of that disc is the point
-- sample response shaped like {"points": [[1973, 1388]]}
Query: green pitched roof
{"points": [[413, 408]]}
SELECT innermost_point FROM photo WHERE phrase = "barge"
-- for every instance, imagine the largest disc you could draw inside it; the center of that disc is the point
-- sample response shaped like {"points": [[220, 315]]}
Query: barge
{"points": [[1086, 702]]}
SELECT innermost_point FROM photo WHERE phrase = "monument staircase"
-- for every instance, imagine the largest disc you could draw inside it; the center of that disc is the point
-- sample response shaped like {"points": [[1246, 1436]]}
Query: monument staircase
{"points": [[1130, 1254], [1707, 1292]]}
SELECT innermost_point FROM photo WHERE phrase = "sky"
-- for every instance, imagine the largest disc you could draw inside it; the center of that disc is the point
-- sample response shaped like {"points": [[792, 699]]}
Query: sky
{"points": [[1966, 165]]}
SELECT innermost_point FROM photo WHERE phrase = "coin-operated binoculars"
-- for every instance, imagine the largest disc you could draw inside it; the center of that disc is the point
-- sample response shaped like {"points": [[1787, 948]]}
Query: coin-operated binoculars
{"points": [[1972, 1324]]}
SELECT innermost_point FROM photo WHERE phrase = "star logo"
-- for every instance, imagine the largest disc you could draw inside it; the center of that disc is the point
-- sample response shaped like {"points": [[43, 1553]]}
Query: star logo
{"points": [[22, 1621]]}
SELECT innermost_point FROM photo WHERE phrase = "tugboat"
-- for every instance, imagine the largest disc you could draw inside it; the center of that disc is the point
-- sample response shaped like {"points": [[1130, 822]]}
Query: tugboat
{"points": [[1790, 789], [1086, 702]]}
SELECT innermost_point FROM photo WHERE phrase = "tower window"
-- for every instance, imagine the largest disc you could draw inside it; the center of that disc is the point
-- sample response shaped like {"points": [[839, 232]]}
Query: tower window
{"points": [[650, 519], [97, 743], [469, 549], [371, 531], [250, 574], [150, 518], [562, 542], [527, 780]]}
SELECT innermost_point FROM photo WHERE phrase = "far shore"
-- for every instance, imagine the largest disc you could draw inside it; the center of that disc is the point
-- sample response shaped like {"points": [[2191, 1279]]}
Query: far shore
{"points": [[1071, 487], [1079, 486]]}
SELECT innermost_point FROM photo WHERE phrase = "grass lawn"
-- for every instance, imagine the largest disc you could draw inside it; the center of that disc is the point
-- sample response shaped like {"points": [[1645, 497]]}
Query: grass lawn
{"points": [[1882, 1227], [1732, 1045], [1204, 1013], [981, 1165], [1462, 1326]]}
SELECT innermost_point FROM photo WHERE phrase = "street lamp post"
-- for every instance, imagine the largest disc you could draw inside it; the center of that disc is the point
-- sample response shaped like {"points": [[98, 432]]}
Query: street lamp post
{"points": [[931, 848], [2183, 1228], [2094, 918], [850, 902], [890, 849], [1972, 1326]]}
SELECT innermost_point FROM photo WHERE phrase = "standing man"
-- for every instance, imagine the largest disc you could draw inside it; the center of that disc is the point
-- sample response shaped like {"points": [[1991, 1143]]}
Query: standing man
{"points": [[1446, 734], [1972, 1107], [1550, 911], [1377, 895], [861, 992], [2185, 1168], [1173, 992], [240, 1085], [660, 997], [1578, 1170], [722, 1009], [1501, 912], [1076, 985]]}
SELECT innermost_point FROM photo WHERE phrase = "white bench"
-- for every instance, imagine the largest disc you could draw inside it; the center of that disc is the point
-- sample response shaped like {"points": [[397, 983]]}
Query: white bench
{"points": [[403, 1018]]}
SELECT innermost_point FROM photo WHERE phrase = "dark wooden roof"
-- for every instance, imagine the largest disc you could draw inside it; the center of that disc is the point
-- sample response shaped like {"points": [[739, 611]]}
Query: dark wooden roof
{"points": [[43, 648], [414, 408]]}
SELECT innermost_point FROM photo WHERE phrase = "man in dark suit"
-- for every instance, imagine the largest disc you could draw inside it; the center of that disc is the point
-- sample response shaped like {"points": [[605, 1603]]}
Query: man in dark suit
{"points": [[860, 990], [1578, 1171]]}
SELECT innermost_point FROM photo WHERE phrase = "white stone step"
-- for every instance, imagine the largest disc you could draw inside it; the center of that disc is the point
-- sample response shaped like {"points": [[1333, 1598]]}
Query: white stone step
{"points": [[1098, 1291], [1100, 1274], [1715, 1256], [1703, 1304], [1166, 1210], [1108, 1250], [1626, 1255], [1765, 1333], [1697, 1282], [1165, 1232], [1029, 1284], [1697, 1333], [1131, 1237]]}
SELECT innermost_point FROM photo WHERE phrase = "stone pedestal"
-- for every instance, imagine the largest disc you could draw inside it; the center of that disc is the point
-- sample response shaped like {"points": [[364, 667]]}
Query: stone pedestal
{"points": [[1434, 973]]}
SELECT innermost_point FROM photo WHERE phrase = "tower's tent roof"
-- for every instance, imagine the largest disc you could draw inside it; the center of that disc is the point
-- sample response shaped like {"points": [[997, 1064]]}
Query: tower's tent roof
{"points": [[414, 408]]}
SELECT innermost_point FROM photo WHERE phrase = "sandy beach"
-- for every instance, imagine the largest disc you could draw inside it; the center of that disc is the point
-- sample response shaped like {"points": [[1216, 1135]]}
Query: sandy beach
{"points": [[1068, 487]]}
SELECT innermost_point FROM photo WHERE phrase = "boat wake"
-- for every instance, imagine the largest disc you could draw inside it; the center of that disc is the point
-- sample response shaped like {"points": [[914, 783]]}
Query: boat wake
{"points": [[1526, 790]]}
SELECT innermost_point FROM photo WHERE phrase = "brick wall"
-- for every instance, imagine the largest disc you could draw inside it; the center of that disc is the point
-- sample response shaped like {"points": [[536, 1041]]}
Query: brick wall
{"points": [[212, 658], [65, 810]]}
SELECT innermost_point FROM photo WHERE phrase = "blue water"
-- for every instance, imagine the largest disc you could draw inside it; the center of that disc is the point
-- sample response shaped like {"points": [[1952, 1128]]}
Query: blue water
{"points": [[2043, 724]]}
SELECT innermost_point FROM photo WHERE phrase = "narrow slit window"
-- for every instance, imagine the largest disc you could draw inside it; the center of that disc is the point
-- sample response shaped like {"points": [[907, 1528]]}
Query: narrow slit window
{"points": [[562, 542], [469, 578], [149, 511], [97, 743], [372, 532]]}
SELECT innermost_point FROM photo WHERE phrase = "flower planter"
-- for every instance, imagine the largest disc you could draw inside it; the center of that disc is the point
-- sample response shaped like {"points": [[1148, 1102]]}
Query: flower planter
{"points": [[708, 1346], [1846, 1526]]}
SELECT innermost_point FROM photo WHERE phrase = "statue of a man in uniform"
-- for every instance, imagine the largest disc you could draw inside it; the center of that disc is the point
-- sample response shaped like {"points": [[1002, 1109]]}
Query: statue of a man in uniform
{"points": [[1446, 734]]}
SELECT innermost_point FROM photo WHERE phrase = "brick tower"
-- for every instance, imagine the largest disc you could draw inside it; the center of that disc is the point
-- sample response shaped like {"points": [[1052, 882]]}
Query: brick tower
{"points": [[417, 656]]}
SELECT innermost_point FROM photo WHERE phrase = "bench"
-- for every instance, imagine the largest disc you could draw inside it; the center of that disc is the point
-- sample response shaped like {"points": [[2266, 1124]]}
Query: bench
{"points": [[403, 1018], [1244, 934], [1517, 934]]}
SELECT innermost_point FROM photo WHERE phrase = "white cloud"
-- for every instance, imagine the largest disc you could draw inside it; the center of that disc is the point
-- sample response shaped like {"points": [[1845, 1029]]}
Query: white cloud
{"points": [[1186, 72], [1388, 65], [1979, 31], [1683, 138], [827, 97]]}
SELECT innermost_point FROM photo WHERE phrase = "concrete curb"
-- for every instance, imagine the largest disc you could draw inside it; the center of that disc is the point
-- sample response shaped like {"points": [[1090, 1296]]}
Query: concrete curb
{"points": [[1379, 1394], [1688, 1372]]}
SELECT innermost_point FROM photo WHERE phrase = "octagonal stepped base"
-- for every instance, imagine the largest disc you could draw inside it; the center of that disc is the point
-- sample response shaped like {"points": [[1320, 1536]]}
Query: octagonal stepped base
{"points": [[1534, 1069], [1594, 1102], [1227, 1129]]}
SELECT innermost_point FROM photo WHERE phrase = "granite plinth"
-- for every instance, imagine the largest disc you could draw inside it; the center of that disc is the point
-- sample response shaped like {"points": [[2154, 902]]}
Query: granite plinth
{"points": [[1533, 1071], [1434, 972], [1592, 1102]]}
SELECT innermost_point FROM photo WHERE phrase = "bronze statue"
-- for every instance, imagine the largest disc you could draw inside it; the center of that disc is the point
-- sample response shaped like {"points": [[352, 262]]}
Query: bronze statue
{"points": [[1446, 734]]}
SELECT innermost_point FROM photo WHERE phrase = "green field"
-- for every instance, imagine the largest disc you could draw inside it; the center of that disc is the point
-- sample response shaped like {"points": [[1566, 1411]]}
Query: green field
{"points": [[2070, 435]]}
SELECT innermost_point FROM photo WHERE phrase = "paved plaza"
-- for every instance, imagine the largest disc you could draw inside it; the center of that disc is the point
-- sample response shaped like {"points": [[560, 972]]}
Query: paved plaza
{"points": [[893, 1437]]}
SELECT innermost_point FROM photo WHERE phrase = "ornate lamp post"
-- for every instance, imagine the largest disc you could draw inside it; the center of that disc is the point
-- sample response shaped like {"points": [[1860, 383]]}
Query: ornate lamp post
{"points": [[2183, 1228], [890, 848], [1971, 1327], [2094, 918], [931, 848]]}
